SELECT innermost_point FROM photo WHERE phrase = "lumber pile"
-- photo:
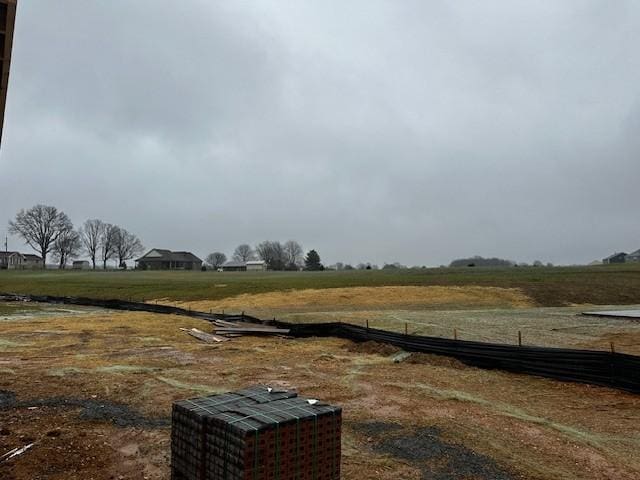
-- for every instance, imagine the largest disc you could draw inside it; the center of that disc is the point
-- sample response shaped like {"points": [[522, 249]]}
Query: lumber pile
{"points": [[257, 433], [224, 330]]}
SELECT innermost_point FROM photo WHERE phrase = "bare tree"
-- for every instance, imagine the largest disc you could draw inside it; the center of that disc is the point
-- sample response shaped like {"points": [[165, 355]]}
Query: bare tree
{"points": [[216, 259], [127, 246], [273, 254], [294, 254], [66, 247], [90, 235], [243, 253], [40, 226], [108, 243]]}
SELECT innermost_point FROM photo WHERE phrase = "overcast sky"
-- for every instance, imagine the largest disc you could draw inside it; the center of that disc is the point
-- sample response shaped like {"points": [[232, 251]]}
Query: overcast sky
{"points": [[382, 131]]}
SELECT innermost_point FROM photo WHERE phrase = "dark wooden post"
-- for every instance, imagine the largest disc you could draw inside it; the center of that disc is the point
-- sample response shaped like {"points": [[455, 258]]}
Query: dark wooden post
{"points": [[406, 328], [519, 338], [455, 334]]}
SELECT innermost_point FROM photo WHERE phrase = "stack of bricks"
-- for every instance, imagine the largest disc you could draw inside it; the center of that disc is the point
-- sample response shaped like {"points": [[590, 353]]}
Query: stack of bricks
{"points": [[255, 434]]}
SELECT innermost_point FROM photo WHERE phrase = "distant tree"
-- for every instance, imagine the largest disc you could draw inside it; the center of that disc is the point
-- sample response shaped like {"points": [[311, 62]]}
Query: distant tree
{"points": [[243, 253], [273, 254], [312, 261], [478, 261], [349, 267], [216, 259], [90, 235], [293, 253], [127, 246], [40, 226], [396, 265], [108, 240], [66, 247], [538, 263], [549, 264]]}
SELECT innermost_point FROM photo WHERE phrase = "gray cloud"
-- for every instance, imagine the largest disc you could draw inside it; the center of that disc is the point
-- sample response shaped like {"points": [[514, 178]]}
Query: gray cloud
{"points": [[383, 131]]}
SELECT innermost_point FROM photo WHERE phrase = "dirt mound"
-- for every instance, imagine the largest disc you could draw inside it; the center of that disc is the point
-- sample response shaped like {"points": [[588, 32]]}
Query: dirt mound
{"points": [[378, 297], [435, 360], [371, 347]]}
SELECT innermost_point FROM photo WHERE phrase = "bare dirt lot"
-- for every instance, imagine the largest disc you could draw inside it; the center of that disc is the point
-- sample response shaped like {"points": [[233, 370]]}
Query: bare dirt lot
{"points": [[93, 393]]}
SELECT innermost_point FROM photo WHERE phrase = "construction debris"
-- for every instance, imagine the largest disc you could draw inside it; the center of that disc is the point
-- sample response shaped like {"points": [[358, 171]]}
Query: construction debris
{"points": [[401, 356], [14, 453], [225, 330], [252, 330], [205, 337]]}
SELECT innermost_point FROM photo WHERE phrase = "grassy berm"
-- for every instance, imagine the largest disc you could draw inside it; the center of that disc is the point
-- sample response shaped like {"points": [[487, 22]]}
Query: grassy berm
{"points": [[546, 286]]}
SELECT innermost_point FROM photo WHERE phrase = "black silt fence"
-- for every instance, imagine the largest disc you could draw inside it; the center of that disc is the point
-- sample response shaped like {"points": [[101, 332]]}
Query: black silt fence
{"points": [[616, 370]]}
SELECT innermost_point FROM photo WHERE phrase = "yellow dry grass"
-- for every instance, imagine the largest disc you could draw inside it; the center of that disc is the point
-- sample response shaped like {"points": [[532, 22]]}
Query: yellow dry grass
{"points": [[372, 297]]}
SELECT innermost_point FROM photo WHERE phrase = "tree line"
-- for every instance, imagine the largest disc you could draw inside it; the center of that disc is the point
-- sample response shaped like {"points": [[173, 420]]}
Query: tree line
{"points": [[277, 256], [48, 230]]}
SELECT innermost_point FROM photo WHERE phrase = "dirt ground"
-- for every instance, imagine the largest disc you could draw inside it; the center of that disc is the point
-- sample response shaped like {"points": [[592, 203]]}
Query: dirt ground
{"points": [[93, 393]]}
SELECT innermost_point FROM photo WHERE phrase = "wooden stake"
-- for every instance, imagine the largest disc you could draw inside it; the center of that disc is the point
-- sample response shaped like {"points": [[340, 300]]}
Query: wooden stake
{"points": [[613, 348], [455, 334], [367, 324], [406, 328], [519, 338]]}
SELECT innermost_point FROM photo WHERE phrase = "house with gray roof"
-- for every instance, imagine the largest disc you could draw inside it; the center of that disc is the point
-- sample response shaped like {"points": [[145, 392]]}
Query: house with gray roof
{"points": [[634, 256], [615, 258], [160, 259]]}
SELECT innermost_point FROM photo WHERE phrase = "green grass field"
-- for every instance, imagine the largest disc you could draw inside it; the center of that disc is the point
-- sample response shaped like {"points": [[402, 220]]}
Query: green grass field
{"points": [[557, 286]]}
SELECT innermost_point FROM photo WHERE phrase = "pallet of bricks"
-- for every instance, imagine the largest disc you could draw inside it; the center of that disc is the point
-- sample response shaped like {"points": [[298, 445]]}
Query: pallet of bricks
{"points": [[255, 434]]}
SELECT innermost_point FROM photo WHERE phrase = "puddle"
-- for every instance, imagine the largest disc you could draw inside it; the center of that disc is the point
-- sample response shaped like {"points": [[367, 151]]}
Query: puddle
{"points": [[11, 311], [91, 410], [424, 449]]}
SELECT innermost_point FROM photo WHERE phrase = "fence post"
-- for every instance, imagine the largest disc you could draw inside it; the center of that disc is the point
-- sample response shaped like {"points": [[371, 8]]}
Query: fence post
{"points": [[455, 334], [612, 367], [406, 328], [519, 338]]}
